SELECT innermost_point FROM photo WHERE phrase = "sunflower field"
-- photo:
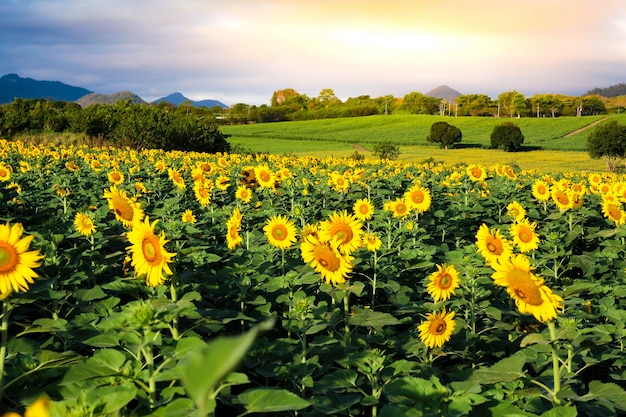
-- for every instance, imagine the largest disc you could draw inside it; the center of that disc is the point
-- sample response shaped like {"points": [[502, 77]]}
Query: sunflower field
{"points": [[138, 283]]}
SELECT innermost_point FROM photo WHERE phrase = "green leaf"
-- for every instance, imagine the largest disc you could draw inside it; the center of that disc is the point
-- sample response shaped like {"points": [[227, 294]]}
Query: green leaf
{"points": [[90, 294], [104, 363], [269, 400], [561, 412], [605, 393], [534, 338], [103, 340], [508, 369], [112, 398], [369, 318], [204, 369]]}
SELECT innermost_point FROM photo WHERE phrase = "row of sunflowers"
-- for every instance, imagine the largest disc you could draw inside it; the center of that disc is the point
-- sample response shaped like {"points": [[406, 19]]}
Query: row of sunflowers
{"points": [[154, 283]]}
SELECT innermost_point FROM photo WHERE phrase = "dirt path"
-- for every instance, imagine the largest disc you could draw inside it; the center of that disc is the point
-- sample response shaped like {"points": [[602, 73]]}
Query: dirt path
{"points": [[359, 148], [584, 128]]}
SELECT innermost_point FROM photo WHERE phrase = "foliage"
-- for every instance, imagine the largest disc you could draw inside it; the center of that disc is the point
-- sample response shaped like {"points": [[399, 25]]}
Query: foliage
{"points": [[386, 150], [254, 329], [608, 140], [444, 134], [507, 136]]}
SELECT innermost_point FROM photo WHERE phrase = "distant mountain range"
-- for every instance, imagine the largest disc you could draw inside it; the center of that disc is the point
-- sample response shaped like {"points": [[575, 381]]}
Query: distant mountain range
{"points": [[12, 86], [444, 92]]}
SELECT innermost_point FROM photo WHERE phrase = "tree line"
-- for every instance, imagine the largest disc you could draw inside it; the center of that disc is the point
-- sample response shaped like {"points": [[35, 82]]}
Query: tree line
{"points": [[141, 126], [288, 104]]}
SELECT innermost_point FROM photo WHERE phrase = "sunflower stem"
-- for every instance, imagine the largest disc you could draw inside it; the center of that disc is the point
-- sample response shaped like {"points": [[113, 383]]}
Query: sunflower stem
{"points": [[346, 310], [4, 329], [374, 279], [556, 369], [174, 295]]}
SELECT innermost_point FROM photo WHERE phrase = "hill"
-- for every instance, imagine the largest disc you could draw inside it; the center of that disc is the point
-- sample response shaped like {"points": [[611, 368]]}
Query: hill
{"points": [[177, 98], [444, 92], [612, 91], [13, 86], [95, 98]]}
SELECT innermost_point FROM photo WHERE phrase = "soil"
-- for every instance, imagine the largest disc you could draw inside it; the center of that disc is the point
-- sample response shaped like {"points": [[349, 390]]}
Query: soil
{"points": [[584, 128]]}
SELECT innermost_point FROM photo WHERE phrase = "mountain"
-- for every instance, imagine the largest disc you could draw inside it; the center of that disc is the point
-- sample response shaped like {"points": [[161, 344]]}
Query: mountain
{"points": [[177, 98], [612, 91], [444, 92], [13, 86], [95, 98]]}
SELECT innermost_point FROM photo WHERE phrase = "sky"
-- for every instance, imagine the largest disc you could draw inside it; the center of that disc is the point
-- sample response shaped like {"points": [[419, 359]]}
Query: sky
{"points": [[241, 51]]}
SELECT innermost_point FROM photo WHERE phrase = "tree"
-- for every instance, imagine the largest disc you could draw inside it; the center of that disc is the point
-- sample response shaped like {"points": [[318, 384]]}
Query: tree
{"points": [[507, 136], [328, 98], [418, 103], [608, 140], [386, 150], [445, 134]]}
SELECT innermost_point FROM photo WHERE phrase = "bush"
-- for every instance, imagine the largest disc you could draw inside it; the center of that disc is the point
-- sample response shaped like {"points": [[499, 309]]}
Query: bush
{"points": [[507, 136], [386, 150], [608, 140], [445, 134]]}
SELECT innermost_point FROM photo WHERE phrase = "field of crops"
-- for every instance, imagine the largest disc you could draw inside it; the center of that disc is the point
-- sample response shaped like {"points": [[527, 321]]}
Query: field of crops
{"points": [[184, 284]]}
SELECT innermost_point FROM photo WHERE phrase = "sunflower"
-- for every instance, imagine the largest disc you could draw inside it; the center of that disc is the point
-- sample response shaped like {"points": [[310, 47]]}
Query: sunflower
{"points": [[202, 192], [363, 209], [561, 199], [326, 259], [280, 231], [222, 182], [160, 165], [372, 242], [443, 282], [476, 172], [16, 262], [541, 190], [115, 177], [399, 207], [243, 193], [264, 176], [5, 172], [437, 329], [613, 211], [491, 244], [516, 210], [84, 224], [526, 289], [188, 217], [339, 182], [233, 226], [176, 178], [524, 236], [343, 227], [418, 198], [149, 256], [309, 229], [126, 210]]}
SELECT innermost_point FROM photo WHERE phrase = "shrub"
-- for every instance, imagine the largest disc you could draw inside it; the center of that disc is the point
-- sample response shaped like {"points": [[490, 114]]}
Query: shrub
{"points": [[386, 150], [507, 136], [608, 140], [445, 134]]}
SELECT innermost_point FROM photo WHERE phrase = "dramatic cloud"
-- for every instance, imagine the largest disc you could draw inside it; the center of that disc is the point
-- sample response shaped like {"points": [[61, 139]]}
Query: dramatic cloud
{"points": [[243, 50]]}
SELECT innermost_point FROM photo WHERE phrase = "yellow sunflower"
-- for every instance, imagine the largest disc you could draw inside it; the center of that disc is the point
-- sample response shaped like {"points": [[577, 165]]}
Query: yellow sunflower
{"points": [[233, 226], [202, 192], [188, 217], [264, 176], [343, 227], [147, 249], [126, 210], [372, 242], [527, 290], [339, 182], [280, 231], [176, 178], [399, 207], [516, 210], [84, 224], [115, 177], [443, 282], [524, 236], [16, 262], [243, 193], [326, 259], [418, 198], [613, 211], [437, 329], [541, 190], [363, 209], [222, 182], [491, 244], [561, 199], [5, 172], [476, 172], [309, 229]]}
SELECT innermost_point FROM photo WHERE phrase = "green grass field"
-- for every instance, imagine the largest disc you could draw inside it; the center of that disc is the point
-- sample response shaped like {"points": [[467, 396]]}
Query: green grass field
{"points": [[548, 145]]}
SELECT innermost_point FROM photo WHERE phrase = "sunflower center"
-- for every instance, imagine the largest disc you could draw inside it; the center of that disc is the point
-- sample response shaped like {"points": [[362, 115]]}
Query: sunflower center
{"points": [[401, 209], [115, 176], [417, 197], [327, 258], [476, 172], [525, 235], [495, 246], [151, 250], [524, 287], [341, 232], [364, 209], [9, 258], [614, 212], [542, 189], [562, 198], [438, 326], [279, 232], [4, 173], [445, 281], [264, 176], [122, 208]]}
